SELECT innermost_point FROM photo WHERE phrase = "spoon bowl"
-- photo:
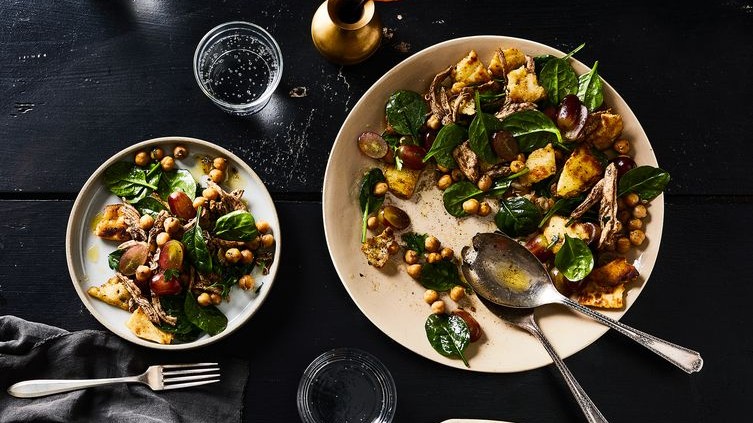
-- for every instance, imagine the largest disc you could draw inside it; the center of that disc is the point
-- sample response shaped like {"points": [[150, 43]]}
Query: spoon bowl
{"points": [[504, 272]]}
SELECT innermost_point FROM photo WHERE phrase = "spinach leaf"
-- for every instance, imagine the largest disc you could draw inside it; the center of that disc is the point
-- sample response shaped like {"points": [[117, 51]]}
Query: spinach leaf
{"points": [[589, 89], [500, 186], [574, 259], [541, 61], [177, 180], [209, 318], [532, 129], [517, 216], [196, 246], [238, 225], [449, 137], [440, 276], [127, 180], [564, 205], [184, 330], [448, 335], [558, 79], [150, 206], [454, 196], [646, 181], [113, 259], [415, 242], [406, 111], [480, 132], [394, 142], [368, 201]]}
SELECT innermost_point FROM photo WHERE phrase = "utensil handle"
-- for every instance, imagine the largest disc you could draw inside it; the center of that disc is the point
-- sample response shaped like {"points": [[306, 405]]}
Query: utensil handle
{"points": [[688, 360], [592, 413], [41, 387]]}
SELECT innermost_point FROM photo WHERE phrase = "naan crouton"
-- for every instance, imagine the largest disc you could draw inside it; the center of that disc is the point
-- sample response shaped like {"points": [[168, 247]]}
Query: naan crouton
{"points": [[469, 71], [142, 327], [113, 224], [595, 295], [376, 248], [112, 292]]}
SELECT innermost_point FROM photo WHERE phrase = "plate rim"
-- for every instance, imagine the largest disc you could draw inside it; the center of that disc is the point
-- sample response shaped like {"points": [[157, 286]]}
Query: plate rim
{"points": [[76, 211], [658, 201]]}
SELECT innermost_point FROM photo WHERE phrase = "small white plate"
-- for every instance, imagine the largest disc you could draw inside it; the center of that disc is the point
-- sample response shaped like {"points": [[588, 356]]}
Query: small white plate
{"points": [[87, 254], [388, 296]]}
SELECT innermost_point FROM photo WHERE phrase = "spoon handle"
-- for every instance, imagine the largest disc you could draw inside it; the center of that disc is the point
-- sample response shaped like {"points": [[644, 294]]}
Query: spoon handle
{"points": [[688, 360], [593, 415]]}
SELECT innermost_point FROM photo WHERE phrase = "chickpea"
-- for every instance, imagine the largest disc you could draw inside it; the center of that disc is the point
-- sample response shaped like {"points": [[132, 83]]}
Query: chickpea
{"points": [[180, 152], [637, 237], [411, 257], [142, 159], [456, 175], [639, 212], [635, 224], [623, 215], [247, 256], [431, 243], [162, 238], [216, 175], [457, 292], [393, 248], [254, 244], [143, 273], [621, 146], [484, 209], [267, 240], [437, 307], [414, 271], [444, 182], [380, 188], [632, 199], [199, 202], [433, 122], [167, 163], [216, 298], [485, 183], [447, 253], [262, 226], [233, 255], [372, 223], [434, 258], [516, 166], [623, 245], [430, 296], [246, 282], [172, 225], [471, 206], [146, 222], [203, 299], [157, 153], [210, 194], [219, 163]]}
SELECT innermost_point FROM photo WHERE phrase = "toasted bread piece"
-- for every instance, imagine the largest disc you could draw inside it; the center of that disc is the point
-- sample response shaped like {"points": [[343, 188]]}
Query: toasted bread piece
{"points": [[469, 71], [113, 226], [376, 248], [112, 292], [595, 295], [541, 163], [402, 182], [579, 173], [523, 86], [142, 327]]}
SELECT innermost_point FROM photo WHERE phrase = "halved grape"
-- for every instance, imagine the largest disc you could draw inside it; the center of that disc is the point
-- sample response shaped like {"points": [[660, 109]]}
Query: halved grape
{"points": [[412, 156], [161, 285], [171, 255], [372, 145], [623, 164], [181, 205], [132, 258], [394, 217]]}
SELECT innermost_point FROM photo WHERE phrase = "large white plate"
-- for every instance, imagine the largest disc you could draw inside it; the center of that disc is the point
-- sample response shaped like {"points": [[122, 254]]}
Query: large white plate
{"points": [[87, 253], [389, 297]]}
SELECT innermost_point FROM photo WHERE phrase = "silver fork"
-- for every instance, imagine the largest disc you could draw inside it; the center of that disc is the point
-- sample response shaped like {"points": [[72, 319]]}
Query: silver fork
{"points": [[158, 377]]}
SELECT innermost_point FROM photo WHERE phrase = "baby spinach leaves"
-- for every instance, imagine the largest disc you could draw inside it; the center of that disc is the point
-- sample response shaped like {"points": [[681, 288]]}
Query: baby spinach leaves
{"points": [[406, 111], [480, 133], [449, 335], [454, 197], [532, 129], [238, 225], [563, 205], [209, 318], [131, 182], [196, 246], [440, 276], [368, 201], [517, 216], [177, 180], [574, 259], [646, 181], [415, 242], [184, 330], [449, 137], [589, 89], [558, 79], [113, 259]]}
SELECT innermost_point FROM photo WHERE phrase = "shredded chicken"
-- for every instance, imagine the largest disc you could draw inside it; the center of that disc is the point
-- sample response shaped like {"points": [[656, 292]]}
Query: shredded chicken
{"points": [[605, 192], [510, 107], [170, 320], [131, 217], [228, 201], [467, 161], [437, 97], [157, 228], [139, 298]]}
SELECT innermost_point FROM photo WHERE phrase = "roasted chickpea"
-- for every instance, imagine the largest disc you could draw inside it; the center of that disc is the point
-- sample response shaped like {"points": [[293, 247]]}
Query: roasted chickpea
{"points": [[146, 222], [162, 238], [233, 255], [623, 215], [246, 282], [484, 209], [210, 194], [414, 271], [393, 248], [142, 159], [637, 237], [444, 182], [471, 206], [623, 245], [219, 163], [262, 226], [380, 188], [437, 307], [430, 296], [447, 253], [180, 152], [411, 257], [635, 224], [247, 256], [639, 211], [203, 299], [431, 243], [632, 199], [199, 202], [216, 175], [172, 225], [485, 183], [167, 163], [267, 240], [457, 292], [157, 153], [253, 244], [372, 222], [216, 298], [433, 258], [143, 273], [456, 175], [621, 146], [516, 166]]}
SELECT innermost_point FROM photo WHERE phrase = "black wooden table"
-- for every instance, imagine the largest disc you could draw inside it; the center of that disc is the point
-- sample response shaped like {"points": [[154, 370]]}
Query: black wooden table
{"points": [[80, 80]]}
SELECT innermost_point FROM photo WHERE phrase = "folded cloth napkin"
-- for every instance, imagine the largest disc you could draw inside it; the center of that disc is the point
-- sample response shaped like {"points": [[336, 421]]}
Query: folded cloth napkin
{"points": [[36, 351]]}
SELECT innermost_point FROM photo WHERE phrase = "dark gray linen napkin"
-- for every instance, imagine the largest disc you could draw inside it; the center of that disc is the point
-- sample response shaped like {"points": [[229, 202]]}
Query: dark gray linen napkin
{"points": [[31, 350]]}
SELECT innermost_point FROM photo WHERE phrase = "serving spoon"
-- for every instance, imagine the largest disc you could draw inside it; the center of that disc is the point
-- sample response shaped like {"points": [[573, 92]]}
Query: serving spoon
{"points": [[504, 272], [523, 318]]}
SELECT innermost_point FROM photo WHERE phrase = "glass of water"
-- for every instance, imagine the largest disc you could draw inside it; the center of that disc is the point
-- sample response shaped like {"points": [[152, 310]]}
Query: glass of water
{"points": [[238, 65]]}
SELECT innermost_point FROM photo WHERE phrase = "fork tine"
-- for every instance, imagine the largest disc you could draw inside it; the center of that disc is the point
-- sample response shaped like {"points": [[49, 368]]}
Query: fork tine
{"points": [[178, 366], [189, 384], [185, 378], [190, 371]]}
